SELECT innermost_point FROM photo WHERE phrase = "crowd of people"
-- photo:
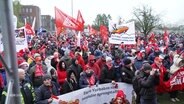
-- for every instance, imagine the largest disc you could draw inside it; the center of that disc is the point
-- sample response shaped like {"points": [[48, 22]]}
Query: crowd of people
{"points": [[53, 66]]}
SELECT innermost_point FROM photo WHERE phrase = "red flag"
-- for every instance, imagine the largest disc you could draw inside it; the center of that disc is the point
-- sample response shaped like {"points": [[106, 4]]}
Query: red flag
{"points": [[63, 20], [29, 30], [92, 31], [80, 20], [152, 39], [104, 33], [176, 81], [166, 38]]}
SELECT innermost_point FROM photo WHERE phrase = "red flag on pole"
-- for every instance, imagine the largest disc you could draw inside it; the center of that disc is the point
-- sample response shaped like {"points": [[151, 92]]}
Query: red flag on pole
{"points": [[80, 20], [104, 33], [29, 30], [63, 20], [152, 39]]}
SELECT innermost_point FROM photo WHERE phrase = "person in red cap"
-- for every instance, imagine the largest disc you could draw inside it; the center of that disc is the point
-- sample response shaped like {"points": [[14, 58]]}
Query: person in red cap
{"points": [[158, 64], [138, 62], [120, 98]]}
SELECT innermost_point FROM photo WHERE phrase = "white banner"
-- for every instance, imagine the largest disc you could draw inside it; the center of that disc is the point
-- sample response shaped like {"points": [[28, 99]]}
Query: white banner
{"points": [[100, 94], [127, 37], [21, 43], [20, 40]]}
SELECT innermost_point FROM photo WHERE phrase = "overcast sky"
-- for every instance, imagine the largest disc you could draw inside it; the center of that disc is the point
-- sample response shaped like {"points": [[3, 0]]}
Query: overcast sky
{"points": [[171, 11]]}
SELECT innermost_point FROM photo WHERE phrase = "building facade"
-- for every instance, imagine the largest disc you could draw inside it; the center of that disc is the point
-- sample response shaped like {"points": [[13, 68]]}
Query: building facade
{"points": [[47, 22], [29, 12]]}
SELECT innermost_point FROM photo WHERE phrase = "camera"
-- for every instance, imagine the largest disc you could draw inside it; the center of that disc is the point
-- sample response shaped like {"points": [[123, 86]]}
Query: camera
{"points": [[157, 72]]}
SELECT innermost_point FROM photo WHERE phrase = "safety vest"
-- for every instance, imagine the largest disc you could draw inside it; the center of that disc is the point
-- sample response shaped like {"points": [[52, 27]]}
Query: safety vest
{"points": [[4, 93]]}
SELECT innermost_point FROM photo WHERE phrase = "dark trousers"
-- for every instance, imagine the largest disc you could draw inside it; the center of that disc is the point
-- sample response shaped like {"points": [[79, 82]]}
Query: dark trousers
{"points": [[148, 101], [138, 99], [173, 94]]}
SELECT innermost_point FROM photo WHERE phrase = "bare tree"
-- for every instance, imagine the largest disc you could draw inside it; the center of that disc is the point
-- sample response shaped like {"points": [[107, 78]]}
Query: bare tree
{"points": [[146, 21]]}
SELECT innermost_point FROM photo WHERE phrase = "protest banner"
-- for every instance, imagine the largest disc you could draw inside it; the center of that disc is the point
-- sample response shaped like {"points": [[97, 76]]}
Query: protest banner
{"points": [[176, 82], [100, 94], [127, 37], [20, 40]]}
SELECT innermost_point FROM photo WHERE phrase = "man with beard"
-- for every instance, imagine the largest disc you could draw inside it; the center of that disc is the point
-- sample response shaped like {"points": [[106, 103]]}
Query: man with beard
{"points": [[87, 78], [47, 91]]}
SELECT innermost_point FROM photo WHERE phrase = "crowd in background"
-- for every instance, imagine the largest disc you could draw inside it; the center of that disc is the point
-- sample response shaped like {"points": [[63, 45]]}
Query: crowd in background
{"points": [[55, 65]]}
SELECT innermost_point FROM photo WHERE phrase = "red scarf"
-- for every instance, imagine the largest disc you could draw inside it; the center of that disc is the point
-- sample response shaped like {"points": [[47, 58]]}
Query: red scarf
{"points": [[39, 71], [91, 80]]}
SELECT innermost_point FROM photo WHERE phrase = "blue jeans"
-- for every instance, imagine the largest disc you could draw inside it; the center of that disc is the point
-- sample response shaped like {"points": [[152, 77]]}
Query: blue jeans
{"points": [[148, 101]]}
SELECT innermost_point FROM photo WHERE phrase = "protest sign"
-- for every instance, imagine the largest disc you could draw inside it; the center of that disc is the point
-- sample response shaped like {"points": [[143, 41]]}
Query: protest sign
{"points": [[100, 94]]}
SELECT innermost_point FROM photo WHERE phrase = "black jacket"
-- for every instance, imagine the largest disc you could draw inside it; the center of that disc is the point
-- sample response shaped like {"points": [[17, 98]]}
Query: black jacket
{"points": [[127, 75], [44, 93], [54, 63], [107, 75], [148, 84], [77, 69], [69, 86]]}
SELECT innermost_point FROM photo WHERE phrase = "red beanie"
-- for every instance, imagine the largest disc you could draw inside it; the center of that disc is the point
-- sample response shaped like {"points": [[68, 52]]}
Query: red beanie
{"points": [[120, 94], [20, 60]]}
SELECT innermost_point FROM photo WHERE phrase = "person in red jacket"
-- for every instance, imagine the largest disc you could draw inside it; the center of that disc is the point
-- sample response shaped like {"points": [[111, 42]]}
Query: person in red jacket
{"points": [[80, 59], [61, 71], [162, 74], [91, 63], [101, 62]]}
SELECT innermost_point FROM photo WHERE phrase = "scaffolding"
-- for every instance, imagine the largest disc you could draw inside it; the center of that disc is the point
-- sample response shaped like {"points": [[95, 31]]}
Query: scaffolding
{"points": [[10, 59]]}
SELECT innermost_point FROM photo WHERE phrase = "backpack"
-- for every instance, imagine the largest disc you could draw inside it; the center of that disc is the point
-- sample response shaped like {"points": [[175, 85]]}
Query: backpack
{"points": [[136, 84]]}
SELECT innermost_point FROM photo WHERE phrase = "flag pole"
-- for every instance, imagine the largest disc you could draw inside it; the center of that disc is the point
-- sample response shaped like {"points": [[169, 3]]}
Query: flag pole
{"points": [[6, 18], [72, 7]]}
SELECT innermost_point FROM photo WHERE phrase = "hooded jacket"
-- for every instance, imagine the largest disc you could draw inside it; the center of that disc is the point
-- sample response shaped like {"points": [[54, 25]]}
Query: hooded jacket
{"points": [[76, 68], [94, 66], [175, 67]]}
